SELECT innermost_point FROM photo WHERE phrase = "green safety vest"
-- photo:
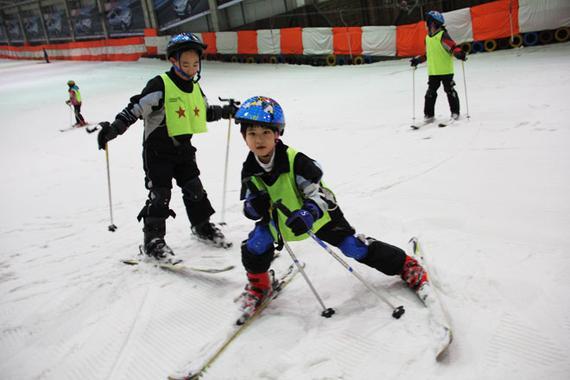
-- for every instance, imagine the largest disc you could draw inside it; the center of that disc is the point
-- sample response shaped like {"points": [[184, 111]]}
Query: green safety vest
{"points": [[439, 60], [185, 112], [285, 189]]}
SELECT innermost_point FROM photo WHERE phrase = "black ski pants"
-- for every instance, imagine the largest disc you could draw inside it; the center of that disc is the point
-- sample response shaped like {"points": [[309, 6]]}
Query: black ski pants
{"points": [[78, 117], [381, 256], [434, 81], [160, 168]]}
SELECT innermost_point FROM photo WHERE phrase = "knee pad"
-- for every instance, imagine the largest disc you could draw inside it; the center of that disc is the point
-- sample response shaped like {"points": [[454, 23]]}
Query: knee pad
{"points": [[450, 88], [256, 263], [431, 93], [353, 247], [193, 190], [260, 240], [157, 204]]}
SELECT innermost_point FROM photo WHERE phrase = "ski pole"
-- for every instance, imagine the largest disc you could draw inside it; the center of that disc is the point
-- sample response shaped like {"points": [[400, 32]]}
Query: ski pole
{"points": [[327, 311], [112, 226], [414, 95], [397, 311], [465, 88], [231, 102], [71, 123]]}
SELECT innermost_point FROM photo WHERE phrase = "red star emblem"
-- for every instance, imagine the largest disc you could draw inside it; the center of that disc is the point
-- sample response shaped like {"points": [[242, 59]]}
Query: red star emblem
{"points": [[181, 112], [196, 112]]}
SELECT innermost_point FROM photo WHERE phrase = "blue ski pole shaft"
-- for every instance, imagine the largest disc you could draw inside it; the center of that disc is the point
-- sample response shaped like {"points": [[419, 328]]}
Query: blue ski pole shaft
{"points": [[397, 311]]}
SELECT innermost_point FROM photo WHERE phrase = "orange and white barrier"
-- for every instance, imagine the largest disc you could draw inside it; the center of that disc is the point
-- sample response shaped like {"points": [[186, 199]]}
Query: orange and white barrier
{"points": [[124, 49], [485, 22]]}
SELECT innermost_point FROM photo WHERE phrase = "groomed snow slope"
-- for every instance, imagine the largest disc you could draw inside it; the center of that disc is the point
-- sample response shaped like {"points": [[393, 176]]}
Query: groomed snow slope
{"points": [[489, 198]]}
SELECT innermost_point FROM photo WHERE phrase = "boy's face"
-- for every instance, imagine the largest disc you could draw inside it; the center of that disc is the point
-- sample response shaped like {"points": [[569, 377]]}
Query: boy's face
{"points": [[189, 63], [261, 141]]}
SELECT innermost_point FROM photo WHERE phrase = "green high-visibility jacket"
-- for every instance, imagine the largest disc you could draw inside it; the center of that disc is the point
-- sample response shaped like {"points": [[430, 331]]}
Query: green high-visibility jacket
{"points": [[185, 112]]}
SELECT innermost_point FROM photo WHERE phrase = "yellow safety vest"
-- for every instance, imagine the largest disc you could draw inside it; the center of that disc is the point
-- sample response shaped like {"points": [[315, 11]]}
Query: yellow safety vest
{"points": [[285, 189], [185, 112], [77, 94], [439, 60]]}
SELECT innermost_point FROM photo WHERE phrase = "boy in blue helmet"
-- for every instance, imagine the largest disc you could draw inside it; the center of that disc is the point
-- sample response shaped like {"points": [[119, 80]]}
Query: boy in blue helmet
{"points": [[439, 50], [275, 172], [174, 108]]}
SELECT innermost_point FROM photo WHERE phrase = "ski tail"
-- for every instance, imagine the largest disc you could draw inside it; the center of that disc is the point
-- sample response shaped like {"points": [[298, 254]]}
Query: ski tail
{"points": [[439, 317], [196, 368]]}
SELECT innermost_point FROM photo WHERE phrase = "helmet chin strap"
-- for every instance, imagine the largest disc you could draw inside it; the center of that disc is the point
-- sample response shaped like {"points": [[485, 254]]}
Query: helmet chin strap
{"points": [[183, 74]]}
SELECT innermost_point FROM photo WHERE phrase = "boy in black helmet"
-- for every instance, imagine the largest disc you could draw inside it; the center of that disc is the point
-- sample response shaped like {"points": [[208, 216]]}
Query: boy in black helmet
{"points": [[173, 108], [276, 172]]}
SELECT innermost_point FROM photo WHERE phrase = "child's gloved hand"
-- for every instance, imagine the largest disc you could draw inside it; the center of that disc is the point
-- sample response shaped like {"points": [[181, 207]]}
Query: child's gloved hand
{"points": [[229, 110], [461, 55], [301, 221], [256, 205], [415, 61]]}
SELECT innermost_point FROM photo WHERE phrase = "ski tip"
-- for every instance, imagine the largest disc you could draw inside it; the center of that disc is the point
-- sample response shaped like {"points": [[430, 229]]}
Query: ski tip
{"points": [[130, 261], [443, 349]]}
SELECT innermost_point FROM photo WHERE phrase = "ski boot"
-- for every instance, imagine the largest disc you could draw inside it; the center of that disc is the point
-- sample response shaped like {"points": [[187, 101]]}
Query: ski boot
{"points": [[159, 250], [413, 274], [209, 233], [260, 287]]}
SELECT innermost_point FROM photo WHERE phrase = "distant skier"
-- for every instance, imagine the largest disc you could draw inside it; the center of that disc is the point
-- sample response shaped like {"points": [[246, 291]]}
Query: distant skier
{"points": [[273, 171], [173, 108], [46, 57], [75, 101], [439, 50]]}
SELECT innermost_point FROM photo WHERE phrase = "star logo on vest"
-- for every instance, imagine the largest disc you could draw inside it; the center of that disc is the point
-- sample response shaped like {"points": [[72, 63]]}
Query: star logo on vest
{"points": [[196, 112], [181, 112]]}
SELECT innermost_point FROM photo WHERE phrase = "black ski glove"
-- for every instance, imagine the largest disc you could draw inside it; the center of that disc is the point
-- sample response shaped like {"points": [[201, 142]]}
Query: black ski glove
{"points": [[109, 131], [229, 110], [301, 221], [461, 55], [214, 113], [415, 61], [221, 112], [256, 205]]}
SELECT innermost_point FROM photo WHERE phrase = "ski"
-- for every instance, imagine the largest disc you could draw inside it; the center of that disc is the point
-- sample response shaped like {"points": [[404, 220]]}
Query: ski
{"points": [[196, 368], [178, 266], [422, 124], [439, 318], [68, 129], [77, 127], [447, 123]]}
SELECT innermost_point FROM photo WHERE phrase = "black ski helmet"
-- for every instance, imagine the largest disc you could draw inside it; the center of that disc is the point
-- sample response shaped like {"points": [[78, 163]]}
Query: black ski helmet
{"points": [[183, 42]]}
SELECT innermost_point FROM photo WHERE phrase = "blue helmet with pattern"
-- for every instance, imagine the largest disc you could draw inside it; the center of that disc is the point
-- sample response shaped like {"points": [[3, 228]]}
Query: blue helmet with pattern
{"points": [[261, 110], [436, 17], [182, 42]]}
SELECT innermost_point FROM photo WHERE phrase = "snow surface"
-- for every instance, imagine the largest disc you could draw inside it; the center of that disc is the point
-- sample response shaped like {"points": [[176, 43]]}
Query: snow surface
{"points": [[489, 199]]}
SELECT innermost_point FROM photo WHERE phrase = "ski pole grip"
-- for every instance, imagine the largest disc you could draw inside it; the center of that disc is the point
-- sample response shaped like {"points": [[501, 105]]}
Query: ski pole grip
{"points": [[280, 206], [231, 101]]}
